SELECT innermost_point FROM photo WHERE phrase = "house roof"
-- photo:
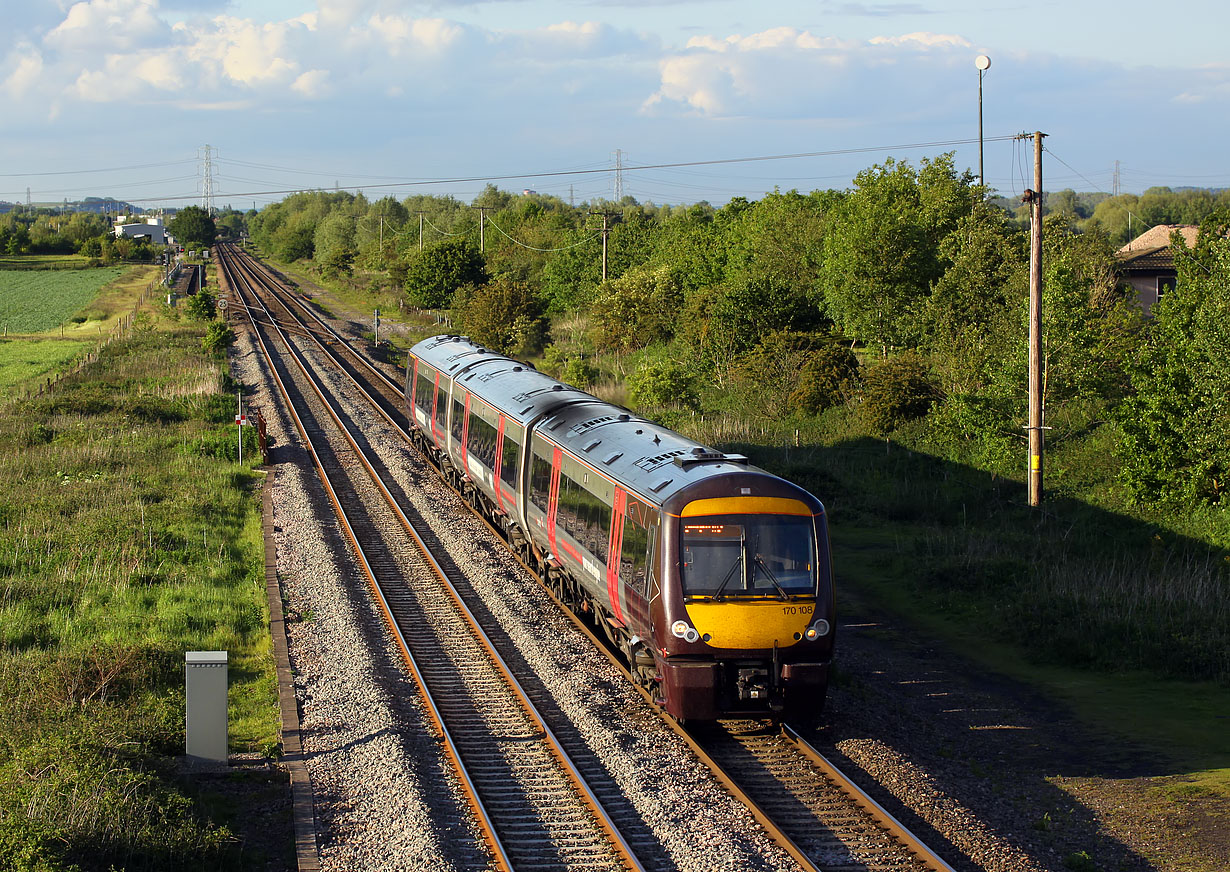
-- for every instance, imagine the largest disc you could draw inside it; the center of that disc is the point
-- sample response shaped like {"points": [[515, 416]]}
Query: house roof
{"points": [[1159, 237], [1150, 251]]}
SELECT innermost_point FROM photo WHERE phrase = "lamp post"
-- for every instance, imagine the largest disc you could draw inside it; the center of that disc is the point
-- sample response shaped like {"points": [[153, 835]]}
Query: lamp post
{"points": [[983, 63]]}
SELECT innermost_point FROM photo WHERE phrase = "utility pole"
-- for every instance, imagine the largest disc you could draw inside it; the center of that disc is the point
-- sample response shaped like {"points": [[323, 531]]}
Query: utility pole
{"points": [[1035, 427], [482, 239], [420, 229], [605, 233]]}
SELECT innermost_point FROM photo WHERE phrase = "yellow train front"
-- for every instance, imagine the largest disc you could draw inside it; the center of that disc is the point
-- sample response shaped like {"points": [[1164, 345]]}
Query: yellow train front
{"points": [[746, 600]]}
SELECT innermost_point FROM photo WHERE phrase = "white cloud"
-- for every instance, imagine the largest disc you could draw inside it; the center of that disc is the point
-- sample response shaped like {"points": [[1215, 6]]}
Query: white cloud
{"points": [[26, 64], [109, 25], [248, 53], [923, 40], [399, 33], [312, 84]]}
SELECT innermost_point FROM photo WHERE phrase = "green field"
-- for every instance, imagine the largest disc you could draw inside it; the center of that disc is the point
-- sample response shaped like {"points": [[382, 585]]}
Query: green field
{"points": [[22, 360], [44, 261], [128, 535], [34, 301]]}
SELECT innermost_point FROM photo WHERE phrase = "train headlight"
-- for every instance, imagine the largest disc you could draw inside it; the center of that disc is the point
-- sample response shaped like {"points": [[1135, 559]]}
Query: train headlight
{"points": [[684, 631], [817, 630]]}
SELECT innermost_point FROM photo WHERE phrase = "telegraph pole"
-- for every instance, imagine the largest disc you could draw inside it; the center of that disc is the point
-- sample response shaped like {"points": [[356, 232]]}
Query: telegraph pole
{"points": [[605, 233], [420, 230], [482, 239], [1035, 428]]}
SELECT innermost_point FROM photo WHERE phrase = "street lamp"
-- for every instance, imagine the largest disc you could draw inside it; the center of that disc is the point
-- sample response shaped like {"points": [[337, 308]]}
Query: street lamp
{"points": [[983, 63]]}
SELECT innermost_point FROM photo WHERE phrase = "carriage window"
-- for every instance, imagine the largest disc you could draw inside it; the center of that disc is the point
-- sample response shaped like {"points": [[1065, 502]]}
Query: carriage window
{"points": [[441, 404], [540, 482], [481, 445], [459, 416], [423, 392], [508, 460]]}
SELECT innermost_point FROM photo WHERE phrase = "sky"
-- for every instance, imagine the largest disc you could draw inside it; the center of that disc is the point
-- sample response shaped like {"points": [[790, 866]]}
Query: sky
{"points": [[120, 98]]}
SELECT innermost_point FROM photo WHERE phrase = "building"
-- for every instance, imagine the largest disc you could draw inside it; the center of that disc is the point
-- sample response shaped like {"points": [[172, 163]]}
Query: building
{"points": [[1147, 262], [151, 228]]}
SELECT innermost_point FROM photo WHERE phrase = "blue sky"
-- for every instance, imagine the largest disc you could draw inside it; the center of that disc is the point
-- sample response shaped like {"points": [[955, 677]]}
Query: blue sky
{"points": [[118, 97]]}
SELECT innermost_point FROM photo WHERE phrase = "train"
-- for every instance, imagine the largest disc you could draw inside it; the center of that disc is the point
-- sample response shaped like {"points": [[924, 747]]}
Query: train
{"points": [[712, 577]]}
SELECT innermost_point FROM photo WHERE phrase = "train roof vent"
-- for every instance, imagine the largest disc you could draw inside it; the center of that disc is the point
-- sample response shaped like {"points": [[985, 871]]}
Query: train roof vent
{"points": [[590, 424], [555, 424], [649, 464], [663, 483], [613, 458], [591, 446], [706, 455]]}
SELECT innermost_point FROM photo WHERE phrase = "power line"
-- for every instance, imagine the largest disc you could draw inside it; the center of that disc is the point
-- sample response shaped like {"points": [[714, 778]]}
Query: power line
{"points": [[671, 165]]}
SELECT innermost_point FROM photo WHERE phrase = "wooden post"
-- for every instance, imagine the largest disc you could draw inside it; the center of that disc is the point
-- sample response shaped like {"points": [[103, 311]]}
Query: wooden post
{"points": [[1035, 329]]}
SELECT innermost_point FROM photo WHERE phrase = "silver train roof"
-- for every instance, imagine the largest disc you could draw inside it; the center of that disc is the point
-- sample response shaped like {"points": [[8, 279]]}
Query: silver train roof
{"points": [[645, 456]]}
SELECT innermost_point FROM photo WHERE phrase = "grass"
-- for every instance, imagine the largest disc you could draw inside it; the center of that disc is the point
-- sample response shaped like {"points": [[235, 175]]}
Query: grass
{"points": [[44, 261], [128, 535], [25, 360], [38, 301]]}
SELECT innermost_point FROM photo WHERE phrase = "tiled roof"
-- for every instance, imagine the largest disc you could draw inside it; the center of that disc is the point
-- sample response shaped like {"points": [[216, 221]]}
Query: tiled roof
{"points": [[1159, 237], [1158, 257]]}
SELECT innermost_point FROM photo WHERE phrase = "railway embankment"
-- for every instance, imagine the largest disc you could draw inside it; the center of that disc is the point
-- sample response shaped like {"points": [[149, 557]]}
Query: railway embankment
{"points": [[129, 534]]}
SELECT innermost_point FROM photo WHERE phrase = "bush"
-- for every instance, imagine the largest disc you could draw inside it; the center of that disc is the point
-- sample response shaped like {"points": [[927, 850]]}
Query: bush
{"points": [[580, 372], [202, 306], [217, 337], [896, 391], [663, 384], [504, 315], [826, 379]]}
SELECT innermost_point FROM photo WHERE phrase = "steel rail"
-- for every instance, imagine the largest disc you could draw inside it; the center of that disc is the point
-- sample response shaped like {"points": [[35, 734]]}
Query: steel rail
{"points": [[486, 825], [625, 852], [864, 800]]}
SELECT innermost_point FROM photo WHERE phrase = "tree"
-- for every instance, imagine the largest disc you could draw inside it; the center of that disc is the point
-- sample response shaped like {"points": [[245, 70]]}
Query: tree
{"points": [[970, 321], [334, 243], [637, 309], [435, 274], [192, 226], [202, 306], [1174, 444], [503, 315], [881, 246]]}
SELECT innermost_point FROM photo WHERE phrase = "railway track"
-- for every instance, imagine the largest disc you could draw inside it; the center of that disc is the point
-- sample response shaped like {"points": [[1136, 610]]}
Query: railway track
{"points": [[810, 808], [534, 808]]}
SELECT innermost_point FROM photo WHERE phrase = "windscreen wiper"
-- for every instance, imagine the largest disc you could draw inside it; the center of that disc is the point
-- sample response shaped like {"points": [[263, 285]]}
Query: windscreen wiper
{"points": [[773, 578], [730, 573]]}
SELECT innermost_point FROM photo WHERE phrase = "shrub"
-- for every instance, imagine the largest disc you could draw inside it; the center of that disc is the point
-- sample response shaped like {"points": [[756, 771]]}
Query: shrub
{"points": [[202, 306], [580, 372], [504, 315], [663, 384], [825, 380], [217, 337], [896, 391]]}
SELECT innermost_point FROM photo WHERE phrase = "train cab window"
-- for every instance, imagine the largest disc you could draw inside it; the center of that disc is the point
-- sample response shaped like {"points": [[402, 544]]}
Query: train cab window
{"points": [[634, 552], [459, 416], [728, 556], [511, 454]]}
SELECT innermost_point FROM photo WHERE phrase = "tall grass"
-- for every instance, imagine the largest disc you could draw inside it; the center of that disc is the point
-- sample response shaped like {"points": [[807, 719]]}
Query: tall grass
{"points": [[127, 536]]}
